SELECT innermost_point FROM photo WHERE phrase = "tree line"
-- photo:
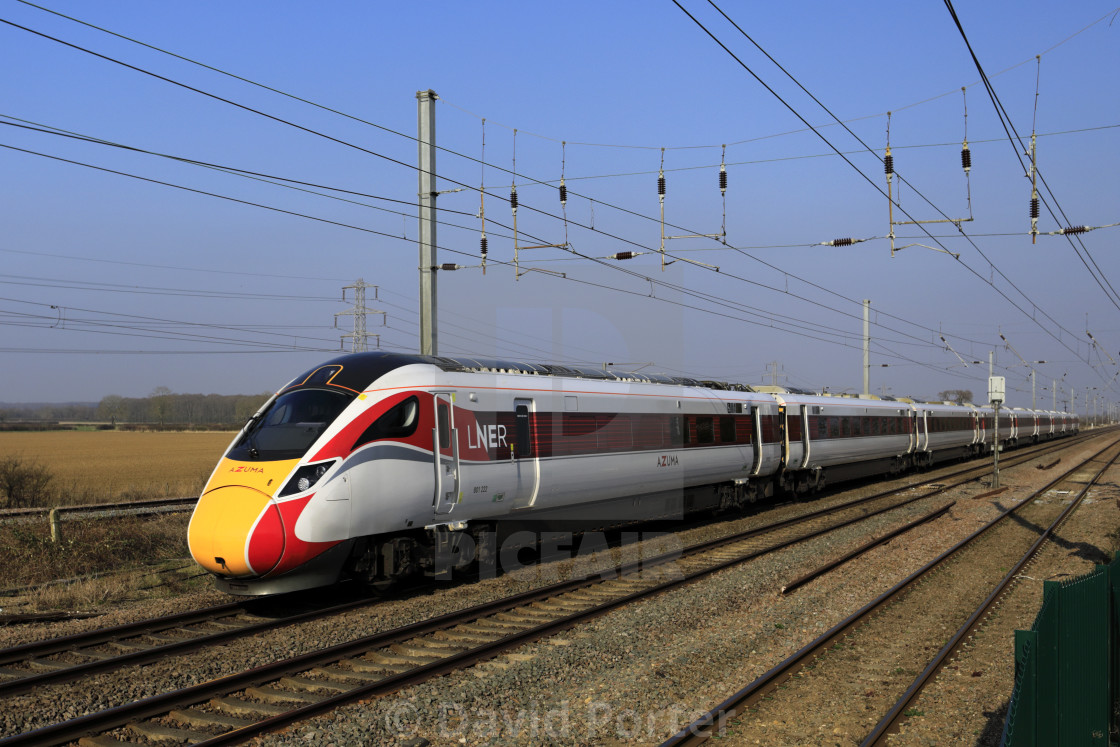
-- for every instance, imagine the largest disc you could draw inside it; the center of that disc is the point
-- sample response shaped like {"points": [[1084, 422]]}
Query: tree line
{"points": [[162, 407]]}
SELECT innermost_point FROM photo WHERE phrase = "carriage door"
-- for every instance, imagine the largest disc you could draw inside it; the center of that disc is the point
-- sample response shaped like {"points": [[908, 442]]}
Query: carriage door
{"points": [[783, 436], [525, 459], [756, 425], [923, 430], [445, 442], [804, 436]]}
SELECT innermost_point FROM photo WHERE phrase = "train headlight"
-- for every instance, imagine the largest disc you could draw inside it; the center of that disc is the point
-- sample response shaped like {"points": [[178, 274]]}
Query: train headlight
{"points": [[305, 478]]}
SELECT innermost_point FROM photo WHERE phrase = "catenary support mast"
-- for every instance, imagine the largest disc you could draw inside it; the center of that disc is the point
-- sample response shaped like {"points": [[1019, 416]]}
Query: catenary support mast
{"points": [[426, 137], [866, 346]]}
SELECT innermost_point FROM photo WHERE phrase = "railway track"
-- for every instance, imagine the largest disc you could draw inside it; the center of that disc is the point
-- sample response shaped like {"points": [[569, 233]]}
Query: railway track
{"points": [[267, 697], [69, 657], [96, 510], [866, 661]]}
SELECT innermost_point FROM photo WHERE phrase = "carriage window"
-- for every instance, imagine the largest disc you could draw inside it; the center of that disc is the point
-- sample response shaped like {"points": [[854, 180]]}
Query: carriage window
{"points": [[676, 430], [444, 417], [705, 432], [727, 429], [524, 444]]}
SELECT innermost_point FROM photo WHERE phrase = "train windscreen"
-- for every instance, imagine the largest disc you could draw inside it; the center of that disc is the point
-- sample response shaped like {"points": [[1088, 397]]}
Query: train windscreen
{"points": [[290, 425]]}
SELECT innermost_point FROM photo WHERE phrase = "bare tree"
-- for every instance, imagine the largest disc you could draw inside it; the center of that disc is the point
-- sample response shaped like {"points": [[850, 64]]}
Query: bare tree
{"points": [[24, 484], [161, 403], [111, 408]]}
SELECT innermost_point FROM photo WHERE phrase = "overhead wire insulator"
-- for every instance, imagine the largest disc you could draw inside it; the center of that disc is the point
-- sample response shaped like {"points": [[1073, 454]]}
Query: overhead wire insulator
{"points": [[1074, 229], [482, 246], [449, 266], [841, 242], [888, 163], [623, 255], [563, 193], [1034, 208], [722, 179], [513, 198], [661, 184], [966, 158]]}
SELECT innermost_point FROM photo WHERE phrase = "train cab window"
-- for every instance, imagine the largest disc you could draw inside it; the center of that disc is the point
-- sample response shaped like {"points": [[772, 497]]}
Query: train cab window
{"points": [[399, 421], [727, 429], [524, 443], [705, 431], [443, 416], [291, 424]]}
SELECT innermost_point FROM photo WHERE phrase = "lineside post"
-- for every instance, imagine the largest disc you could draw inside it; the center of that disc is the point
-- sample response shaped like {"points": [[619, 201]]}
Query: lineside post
{"points": [[56, 526], [996, 388], [426, 145]]}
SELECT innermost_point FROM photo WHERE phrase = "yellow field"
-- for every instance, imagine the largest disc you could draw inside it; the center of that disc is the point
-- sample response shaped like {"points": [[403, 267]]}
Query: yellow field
{"points": [[100, 466]]}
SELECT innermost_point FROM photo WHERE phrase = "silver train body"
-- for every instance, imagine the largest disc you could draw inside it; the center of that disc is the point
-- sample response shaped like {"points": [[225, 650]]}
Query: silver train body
{"points": [[371, 463]]}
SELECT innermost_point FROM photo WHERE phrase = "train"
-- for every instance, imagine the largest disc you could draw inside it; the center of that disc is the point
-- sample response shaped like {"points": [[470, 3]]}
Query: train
{"points": [[370, 465]]}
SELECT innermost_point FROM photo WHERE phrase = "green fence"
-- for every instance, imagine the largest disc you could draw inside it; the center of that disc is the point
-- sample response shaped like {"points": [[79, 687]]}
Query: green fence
{"points": [[1065, 665]]}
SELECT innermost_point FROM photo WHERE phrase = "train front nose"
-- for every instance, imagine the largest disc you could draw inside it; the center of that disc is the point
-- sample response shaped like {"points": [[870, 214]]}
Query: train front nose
{"points": [[236, 531]]}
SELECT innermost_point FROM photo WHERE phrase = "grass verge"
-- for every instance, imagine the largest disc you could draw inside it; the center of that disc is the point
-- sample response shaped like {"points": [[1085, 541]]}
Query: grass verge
{"points": [[105, 561]]}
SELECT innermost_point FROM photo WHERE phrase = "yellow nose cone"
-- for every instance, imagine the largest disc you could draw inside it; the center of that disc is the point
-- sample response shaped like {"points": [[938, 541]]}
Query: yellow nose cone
{"points": [[236, 531]]}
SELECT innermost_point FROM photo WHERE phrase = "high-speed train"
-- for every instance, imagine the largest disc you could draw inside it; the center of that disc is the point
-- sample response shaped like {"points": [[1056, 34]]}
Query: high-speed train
{"points": [[366, 465]]}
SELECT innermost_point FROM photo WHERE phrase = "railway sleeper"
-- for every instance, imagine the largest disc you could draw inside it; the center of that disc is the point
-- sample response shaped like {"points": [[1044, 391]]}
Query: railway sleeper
{"points": [[336, 673], [602, 590], [228, 625], [98, 655], [100, 740], [510, 622], [276, 695], [242, 707], [418, 649], [494, 629], [382, 668], [591, 599], [435, 645], [163, 638], [306, 683], [527, 619], [195, 717], [545, 612], [564, 603], [45, 665], [392, 658], [429, 646], [466, 636], [160, 733]]}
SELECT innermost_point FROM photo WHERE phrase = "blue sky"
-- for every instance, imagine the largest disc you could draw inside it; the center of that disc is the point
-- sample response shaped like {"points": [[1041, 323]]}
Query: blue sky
{"points": [[113, 285]]}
